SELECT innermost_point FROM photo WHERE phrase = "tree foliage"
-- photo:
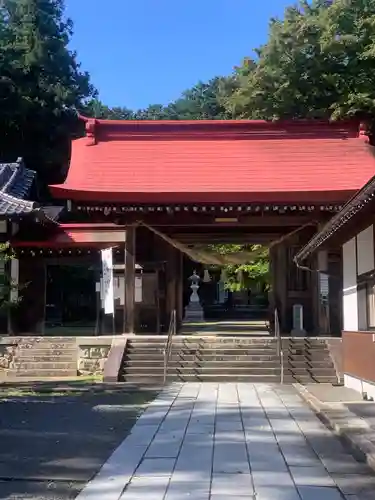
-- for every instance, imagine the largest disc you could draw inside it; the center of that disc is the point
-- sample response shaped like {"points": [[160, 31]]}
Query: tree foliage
{"points": [[251, 275], [318, 62], [41, 84], [7, 285]]}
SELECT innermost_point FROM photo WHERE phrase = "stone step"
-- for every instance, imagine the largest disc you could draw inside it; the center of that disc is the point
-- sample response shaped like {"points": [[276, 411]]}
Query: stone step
{"points": [[304, 341], [232, 370], [306, 352], [39, 358], [307, 371], [221, 351], [47, 345], [150, 380], [43, 373], [307, 358], [204, 343], [133, 357], [46, 352], [203, 362], [310, 380], [308, 364], [51, 365]]}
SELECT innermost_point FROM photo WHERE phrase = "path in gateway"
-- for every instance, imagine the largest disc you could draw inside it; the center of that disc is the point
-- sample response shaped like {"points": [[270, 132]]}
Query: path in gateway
{"points": [[208, 441]]}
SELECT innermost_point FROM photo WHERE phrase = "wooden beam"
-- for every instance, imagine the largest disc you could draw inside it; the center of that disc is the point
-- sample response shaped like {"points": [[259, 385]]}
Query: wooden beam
{"points": [[188, 219], [221, 238]]}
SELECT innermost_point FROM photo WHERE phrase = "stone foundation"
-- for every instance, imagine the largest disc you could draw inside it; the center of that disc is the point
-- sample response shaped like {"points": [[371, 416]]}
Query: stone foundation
{"points": [[92, 358], [89, 358], [8, 350]]}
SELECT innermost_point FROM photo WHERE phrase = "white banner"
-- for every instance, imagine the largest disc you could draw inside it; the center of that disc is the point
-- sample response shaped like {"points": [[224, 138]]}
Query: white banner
{"points": [[108, 295]]}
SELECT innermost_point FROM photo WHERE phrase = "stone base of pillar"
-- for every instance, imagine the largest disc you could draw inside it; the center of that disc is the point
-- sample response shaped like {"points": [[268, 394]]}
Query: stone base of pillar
{"points": [[193, 313], [298, 333]]}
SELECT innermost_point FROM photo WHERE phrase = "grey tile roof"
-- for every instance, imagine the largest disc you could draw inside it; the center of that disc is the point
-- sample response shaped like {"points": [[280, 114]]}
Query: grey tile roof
{"points": [[15, 184]]}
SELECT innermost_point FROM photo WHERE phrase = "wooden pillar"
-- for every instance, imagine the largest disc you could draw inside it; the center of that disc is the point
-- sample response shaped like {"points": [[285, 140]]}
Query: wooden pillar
{"points": [[335, 293], [171, 271], [272, 291], [179, 288], [129, 259], [280, 294]]}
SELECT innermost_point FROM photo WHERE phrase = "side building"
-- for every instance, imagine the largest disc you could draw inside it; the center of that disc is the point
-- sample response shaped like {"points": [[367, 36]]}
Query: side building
{"points": [[16, 212], [353, 229]]}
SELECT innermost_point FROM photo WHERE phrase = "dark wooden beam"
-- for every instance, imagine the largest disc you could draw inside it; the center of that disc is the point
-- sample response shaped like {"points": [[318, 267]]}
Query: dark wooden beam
{"points": [[188, 219], [222, 238]]}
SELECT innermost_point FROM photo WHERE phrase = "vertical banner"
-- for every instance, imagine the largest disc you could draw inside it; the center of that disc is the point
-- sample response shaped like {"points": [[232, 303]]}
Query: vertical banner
{"points": [[108, 295]]}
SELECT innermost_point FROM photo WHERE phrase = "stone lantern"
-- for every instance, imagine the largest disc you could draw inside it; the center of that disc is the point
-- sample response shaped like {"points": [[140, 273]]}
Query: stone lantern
{"points": [[194, 310]]}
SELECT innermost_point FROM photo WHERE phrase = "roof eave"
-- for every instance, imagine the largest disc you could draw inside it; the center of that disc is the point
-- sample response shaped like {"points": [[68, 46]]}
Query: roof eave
{"points": [[337, 227]]}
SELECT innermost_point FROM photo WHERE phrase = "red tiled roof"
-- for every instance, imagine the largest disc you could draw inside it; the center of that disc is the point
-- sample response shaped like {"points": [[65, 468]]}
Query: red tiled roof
{"points": [[216, 161]]}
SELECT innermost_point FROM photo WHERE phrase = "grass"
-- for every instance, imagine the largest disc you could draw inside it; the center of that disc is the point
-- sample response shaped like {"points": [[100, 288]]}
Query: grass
{"points": [[71, 387]]}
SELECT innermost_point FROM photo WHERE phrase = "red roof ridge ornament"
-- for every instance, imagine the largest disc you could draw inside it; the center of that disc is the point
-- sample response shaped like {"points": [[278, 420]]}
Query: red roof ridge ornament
{"points": [[90, 127], [363, 132]]}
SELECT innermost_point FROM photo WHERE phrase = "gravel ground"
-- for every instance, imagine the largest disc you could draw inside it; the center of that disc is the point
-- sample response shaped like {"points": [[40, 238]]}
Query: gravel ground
{"points": [[52, 445]]}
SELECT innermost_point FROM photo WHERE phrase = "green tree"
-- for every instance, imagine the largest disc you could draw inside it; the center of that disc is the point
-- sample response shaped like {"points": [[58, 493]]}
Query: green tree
{"points": [[41, 84], [253, 274], [97, 109], [318, 62], [7, 285]]}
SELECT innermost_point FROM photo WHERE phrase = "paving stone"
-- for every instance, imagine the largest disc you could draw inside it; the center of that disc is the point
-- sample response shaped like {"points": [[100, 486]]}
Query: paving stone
{"points": [[232, 485], [163, 450], [355, 484], [319, 493], [302, 456], [345, 464], [146, 488], [155, 467], [271, 479], [188, 490], [231, 458], [277, 493], [311, 476]]}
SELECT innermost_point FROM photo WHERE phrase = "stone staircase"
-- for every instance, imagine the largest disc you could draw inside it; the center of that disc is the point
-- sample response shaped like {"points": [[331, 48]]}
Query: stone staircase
{"points": [[307, 361], [228, 359], [205, 359], [45, 357]]}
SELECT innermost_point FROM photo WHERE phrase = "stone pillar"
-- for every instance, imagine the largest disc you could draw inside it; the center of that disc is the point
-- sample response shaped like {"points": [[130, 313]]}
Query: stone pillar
{"points": [[129, 259]]}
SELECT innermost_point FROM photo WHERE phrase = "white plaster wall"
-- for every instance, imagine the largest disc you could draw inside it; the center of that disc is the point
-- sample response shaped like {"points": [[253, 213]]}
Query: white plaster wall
{"points": [[365, 250], [362, 309], [360, 386], [350, 297]]}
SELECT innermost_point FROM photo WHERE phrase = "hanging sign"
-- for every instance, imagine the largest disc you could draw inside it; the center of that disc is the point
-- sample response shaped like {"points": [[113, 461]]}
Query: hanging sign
{"points": [[107, 267]]}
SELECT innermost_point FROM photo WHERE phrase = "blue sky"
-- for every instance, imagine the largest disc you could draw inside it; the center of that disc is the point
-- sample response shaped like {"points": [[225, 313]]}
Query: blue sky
{"points": [[141, 52]]}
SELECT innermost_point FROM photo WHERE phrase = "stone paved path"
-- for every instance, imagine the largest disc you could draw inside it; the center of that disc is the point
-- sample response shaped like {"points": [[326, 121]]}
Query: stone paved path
{"points": [[230, 441]]}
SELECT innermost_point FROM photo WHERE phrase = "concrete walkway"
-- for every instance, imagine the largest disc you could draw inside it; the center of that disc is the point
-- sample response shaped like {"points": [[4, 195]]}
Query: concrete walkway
{"points": [[230, 441]]}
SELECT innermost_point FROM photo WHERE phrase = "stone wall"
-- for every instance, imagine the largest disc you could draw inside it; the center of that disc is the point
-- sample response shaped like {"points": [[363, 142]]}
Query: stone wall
{"points": [[8, 349], [92, 355]]}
